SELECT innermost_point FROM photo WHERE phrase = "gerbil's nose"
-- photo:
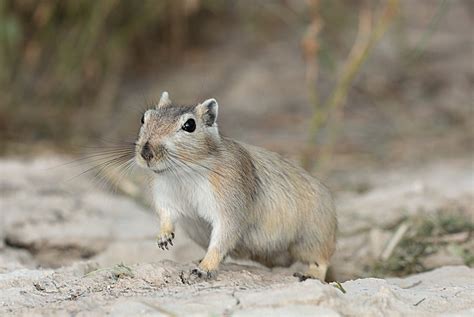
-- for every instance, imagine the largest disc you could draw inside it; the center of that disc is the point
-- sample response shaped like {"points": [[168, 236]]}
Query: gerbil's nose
{"points": [[146, 152]]}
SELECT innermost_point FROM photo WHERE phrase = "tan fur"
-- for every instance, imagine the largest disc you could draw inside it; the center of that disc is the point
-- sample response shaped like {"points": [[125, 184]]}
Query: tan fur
{"points": [[232, 198], [211, 261], [166, 225]]}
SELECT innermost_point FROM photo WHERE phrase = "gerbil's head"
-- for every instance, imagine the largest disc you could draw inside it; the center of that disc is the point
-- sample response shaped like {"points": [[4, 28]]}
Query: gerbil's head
{"points": [[177, 137]]}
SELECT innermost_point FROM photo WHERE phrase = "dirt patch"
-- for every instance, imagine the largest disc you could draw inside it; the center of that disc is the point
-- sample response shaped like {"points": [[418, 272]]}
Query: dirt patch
{"points": [[157, 289], [56, 224]]}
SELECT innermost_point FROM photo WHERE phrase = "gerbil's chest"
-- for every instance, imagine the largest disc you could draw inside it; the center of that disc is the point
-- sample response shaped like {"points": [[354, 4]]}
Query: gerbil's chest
{"points": [[189, 196]]}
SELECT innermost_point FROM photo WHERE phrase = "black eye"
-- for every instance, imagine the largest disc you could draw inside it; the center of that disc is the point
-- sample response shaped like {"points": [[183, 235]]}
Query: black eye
{"points": [[189, 126], [143, 119]]}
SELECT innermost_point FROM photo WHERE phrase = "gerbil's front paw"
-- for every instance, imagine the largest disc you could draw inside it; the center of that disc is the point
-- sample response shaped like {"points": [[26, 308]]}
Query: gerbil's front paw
{"points": [[164, 239], [202, 274]]}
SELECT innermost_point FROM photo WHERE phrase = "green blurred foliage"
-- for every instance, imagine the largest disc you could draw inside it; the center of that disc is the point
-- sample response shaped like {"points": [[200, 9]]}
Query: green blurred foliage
{"points": [[59, 58], [62, 61]]}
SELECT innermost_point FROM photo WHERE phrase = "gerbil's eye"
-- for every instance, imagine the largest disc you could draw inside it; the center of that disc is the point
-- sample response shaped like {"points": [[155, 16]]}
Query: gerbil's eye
{"points": [[143, 119], [189, 126]]}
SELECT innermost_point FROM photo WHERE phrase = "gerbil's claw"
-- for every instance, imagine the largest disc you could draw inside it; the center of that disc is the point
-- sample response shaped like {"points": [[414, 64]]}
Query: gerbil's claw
{"points": [[165, 240], [207, 275], [196, 272], [301, 277]]}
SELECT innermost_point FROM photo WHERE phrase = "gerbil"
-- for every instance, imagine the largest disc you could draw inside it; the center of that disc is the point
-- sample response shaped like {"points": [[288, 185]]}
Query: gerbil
{"points": [[232, 198]]}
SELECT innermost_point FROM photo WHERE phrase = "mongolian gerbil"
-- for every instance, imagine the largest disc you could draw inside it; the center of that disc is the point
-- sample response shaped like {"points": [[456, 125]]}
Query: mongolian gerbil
{"points": [[232, 198]]}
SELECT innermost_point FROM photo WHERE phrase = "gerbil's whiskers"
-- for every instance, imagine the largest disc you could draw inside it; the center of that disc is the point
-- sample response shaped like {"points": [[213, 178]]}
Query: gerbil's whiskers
{"points": [[188, 170], [104, 161], [189, 163]]}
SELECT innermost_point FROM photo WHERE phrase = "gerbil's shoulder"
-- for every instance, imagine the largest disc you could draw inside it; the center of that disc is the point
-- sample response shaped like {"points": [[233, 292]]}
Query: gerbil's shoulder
{"points": [[249, 159], [256, 153]]}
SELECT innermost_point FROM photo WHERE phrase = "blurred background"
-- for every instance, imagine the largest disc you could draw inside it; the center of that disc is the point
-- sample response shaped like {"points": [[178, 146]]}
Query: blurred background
{"points": [[350, 89]]}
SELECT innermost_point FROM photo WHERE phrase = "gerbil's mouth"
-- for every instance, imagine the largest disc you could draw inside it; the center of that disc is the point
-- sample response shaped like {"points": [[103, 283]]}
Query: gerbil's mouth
{"points": [[150, 165], [159, 171]]}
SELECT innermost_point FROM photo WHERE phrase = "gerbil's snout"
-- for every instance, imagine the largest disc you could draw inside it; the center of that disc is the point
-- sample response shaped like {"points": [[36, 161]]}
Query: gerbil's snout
{"points": [[146, 152]]}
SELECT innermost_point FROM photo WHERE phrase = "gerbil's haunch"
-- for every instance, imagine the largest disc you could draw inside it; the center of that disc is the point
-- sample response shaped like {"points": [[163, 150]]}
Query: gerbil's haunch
{"points": [[232, 198]]}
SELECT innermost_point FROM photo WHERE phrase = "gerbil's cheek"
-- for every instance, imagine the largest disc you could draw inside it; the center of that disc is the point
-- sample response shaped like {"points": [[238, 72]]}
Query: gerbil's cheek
{"points": [[169, 145], [140, 161]]}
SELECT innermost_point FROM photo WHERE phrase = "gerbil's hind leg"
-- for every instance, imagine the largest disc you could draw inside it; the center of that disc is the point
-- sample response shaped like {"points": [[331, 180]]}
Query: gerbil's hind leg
{"points": [[315, 255], [315, 271]]}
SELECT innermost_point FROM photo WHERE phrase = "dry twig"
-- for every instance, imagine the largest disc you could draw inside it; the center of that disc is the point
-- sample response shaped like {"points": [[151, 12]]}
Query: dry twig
{"points": [[394, 241], [368, 34]]}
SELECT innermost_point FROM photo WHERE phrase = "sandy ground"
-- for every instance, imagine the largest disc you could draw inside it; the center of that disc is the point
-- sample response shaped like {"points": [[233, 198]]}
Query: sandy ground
{"points": [[162, 289], [69, 247]]}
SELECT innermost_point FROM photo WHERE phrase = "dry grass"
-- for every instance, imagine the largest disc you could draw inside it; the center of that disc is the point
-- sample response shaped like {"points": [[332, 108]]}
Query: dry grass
{"points": [[447, 231]]}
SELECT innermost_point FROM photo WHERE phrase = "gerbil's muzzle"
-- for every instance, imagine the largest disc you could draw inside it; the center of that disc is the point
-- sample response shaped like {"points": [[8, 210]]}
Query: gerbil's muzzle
{"points": [[151, 152], [147, 152]]}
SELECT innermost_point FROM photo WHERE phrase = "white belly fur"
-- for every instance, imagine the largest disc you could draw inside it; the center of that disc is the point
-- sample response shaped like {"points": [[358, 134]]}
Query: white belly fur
{"points": [[189, 200]]}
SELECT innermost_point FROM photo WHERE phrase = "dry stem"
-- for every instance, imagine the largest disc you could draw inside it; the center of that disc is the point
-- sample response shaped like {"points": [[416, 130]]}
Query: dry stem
{"points": [[368, 35]]}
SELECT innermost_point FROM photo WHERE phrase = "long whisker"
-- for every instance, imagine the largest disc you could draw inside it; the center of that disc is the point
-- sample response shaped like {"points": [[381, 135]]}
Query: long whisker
{"points": [[122, 167], [95, 157], [187, 174], [103, 165], [190, 173], [115, 142], [174, 155], [101, 175], [110, 147]]}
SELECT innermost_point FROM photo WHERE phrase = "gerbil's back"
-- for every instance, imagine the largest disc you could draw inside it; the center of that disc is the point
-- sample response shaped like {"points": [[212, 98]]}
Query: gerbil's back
{"points": [[284, 185], [278, 171]]}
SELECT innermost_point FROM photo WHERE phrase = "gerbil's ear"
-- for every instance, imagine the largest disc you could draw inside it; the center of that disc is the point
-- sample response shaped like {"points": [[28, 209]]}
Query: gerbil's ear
{"points": [[208, 111], [164, 100]]}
